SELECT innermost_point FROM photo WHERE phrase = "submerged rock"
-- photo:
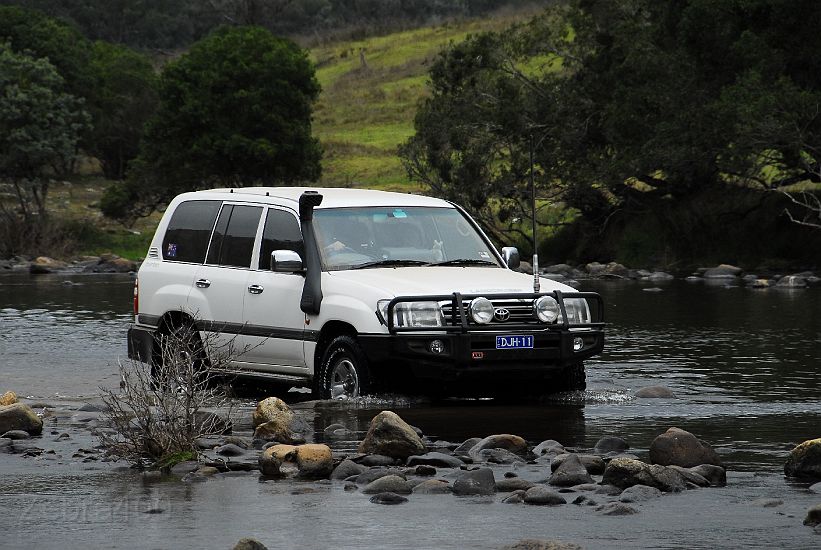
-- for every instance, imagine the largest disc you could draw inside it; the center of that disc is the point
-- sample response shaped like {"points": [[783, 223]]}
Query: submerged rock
{"points": [[616, 509], [475, 482], [610, 444], [513, 484], [639, 493], [654, 392], [805, 460], [433, 487], [723, 271], [388, 498], [535, 544], [19, 416], [389, 435], [542, 495], [715, 475], [681, 448]]}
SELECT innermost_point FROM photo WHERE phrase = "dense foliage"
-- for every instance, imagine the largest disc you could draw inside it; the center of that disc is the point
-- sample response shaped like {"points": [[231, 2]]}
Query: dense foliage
{"points": [[178, 23], [234, 110], [655, 106], [40, 126]]}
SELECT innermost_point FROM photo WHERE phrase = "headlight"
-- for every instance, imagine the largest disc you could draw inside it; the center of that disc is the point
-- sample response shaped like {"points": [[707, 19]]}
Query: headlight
{"points": [[481, 310], [578, 313], [547, 309], [413, 314]]}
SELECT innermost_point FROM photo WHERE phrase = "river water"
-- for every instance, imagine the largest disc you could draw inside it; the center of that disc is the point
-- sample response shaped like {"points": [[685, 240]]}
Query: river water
{"points": [[743, 364]]}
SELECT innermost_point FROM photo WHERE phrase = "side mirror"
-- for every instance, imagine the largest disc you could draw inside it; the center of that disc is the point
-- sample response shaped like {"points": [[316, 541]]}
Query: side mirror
{"points": [[510, 254], [285, 261]]}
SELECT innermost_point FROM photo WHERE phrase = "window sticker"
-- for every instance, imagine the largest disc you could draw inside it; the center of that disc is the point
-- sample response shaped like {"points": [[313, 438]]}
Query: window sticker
{"points": [[484, 255], [171, 251], [399, 213]]}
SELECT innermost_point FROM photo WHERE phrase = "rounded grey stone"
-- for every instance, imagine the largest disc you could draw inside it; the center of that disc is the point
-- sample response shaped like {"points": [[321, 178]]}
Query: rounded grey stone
{"points": [[543, 496]]}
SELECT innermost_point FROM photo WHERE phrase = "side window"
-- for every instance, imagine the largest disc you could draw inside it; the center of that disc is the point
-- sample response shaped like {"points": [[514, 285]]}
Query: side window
{"points": [[186, 239], [281, 233], [233, 240]]}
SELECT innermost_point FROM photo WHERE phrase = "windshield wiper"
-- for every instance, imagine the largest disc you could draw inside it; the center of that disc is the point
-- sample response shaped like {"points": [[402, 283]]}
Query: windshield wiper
{"points": [[464, 261], [389, 263]]}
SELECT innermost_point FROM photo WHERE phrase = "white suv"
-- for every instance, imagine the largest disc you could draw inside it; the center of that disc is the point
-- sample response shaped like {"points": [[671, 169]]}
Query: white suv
{"points": [[351, 289]]}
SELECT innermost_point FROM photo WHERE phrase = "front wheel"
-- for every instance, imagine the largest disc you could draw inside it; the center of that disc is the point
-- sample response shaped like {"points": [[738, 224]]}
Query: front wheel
{"points": [[343, 371], [571, 378]]}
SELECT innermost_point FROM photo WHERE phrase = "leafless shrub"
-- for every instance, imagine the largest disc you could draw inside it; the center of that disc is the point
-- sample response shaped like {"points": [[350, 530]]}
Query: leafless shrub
{"points": [[160, 410]]}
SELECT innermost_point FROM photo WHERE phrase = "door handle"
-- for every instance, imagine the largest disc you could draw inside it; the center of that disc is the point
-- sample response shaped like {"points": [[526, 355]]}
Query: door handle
{"points": [[203, 283], [256, 289]]}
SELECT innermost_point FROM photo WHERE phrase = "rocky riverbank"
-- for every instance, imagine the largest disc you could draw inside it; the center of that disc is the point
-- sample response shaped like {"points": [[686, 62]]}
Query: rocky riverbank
{"points": [[724, 274], [396, 463], [106, 263]]}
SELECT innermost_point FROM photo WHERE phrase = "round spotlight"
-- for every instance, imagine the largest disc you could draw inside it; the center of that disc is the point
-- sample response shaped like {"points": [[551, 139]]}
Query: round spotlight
{"points": [[481, 310], [437, 347], [578, 344], [547, 309]]}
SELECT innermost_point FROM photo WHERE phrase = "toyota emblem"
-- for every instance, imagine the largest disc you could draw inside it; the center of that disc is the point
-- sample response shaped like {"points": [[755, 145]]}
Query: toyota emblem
{"points": [[501, 314]]}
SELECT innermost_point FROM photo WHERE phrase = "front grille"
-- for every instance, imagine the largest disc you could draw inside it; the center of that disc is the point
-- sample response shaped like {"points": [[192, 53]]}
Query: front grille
{"points": [[520, 312]]}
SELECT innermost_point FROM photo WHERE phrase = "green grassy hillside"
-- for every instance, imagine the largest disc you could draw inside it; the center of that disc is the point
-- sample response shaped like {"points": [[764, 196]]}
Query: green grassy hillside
{"points": [[366, 109]]}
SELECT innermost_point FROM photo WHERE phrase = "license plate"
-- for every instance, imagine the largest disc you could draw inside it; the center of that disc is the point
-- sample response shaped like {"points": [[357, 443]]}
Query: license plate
{"points": [[518, 341]]}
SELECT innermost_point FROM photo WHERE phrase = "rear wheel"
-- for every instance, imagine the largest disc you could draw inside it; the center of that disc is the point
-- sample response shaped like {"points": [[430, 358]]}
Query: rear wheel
{"points": [[343, 371], [179, 359], [571, 378]]}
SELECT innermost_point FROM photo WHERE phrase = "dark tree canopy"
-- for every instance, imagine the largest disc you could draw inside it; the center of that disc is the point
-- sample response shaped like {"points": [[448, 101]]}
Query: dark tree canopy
{"points": [[122, 98], [655, 104], [234, 110]]}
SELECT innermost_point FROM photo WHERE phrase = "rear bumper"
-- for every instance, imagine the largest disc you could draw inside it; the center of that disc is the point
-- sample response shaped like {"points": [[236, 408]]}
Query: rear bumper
{"points": [[140, 343], [473, 357]]}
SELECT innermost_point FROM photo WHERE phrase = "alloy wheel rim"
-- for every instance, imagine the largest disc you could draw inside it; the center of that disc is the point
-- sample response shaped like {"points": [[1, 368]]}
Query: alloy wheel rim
{"points": [[344, 380]]}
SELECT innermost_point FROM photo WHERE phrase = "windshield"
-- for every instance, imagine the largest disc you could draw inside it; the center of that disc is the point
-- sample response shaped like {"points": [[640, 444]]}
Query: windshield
{"points": [[352, 238]]}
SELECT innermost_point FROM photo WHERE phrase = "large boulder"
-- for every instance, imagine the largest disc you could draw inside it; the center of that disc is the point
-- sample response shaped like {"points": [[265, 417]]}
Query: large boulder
{"points": [[681, 448], [508, 442], [19, 416], [626, 472], [475, 482], [571, 472], [804, 460], [8, 398], [389, 435]]}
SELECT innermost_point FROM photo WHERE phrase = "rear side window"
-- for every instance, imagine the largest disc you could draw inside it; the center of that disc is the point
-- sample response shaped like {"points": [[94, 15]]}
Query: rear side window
{"points": [[186, 239], [233, 241], [281, 233]]}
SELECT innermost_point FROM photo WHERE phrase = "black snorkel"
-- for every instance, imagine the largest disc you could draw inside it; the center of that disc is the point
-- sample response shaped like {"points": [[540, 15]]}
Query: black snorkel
{"points": [[312, 290]]}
